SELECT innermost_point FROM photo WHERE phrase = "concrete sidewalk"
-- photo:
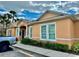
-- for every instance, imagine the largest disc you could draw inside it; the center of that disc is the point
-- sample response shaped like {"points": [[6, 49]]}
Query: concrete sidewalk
{"points": [[43, 51]]}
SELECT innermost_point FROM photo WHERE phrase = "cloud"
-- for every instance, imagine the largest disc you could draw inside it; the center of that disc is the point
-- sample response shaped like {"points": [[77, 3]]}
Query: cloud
{"points": [[30, 10], [29, 14], [21, 17], [35, 8], [34, 18]]}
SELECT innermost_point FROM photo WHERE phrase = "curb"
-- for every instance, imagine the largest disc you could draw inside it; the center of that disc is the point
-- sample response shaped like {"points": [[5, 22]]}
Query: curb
{"points": [[29, 55], [21, 50]]}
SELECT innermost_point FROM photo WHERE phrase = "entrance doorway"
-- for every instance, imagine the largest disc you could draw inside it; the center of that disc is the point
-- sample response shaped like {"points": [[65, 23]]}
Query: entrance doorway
{"points": [[22, 31]]}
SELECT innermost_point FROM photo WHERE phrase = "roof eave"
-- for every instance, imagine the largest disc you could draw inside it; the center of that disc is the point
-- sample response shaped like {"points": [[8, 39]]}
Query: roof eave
{"points": [[56, 18]]}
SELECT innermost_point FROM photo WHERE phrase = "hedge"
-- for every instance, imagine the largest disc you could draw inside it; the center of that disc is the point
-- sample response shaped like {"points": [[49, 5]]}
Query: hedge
{"points": [[48, 45]]}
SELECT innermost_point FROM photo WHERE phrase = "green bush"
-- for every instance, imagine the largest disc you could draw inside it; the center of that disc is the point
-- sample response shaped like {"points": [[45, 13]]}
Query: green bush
{"points": [[37, 43], [49, 45], [31, 42], [40, 44], [54, 46], [60, 47], [57, 46], [75, 48], [34, 42], [26, 41]]}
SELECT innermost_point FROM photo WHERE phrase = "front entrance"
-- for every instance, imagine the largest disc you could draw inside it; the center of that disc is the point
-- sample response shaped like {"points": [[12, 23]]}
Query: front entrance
{"points": [[22, 31]]}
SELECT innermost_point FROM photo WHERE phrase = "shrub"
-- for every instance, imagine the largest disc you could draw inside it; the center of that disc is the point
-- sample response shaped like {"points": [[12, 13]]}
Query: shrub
{"points": [[75, 48], [31, 42], [49, 45], [61, 47], [26, 41], [41, 44], [55, 46], [37, 43], [34, 42]]}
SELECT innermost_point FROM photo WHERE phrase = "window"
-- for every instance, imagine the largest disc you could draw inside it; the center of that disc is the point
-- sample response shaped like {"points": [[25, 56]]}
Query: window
{"points": [[51, 31], [48, 31], [16, 31], [9, 33], [30, 32], [43, 32]]}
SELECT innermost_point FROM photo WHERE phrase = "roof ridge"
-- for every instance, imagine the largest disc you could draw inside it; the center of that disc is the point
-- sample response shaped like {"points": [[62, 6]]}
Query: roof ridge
{"points": [[59, 13]]}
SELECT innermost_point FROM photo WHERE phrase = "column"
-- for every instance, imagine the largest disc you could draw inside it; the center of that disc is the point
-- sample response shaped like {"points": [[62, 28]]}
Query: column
{"points": [[18, 31]]}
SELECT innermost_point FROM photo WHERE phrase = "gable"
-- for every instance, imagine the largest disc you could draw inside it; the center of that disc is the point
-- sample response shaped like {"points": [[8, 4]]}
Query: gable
{"points": [[50, 14], [22, 23]]}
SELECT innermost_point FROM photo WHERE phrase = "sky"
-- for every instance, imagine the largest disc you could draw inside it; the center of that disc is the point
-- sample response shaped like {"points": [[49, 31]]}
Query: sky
{"points": [[32, 10]]}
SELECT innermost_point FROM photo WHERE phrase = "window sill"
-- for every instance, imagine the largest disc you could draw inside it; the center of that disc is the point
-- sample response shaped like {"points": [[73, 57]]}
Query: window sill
{"points": [[48, 40]]}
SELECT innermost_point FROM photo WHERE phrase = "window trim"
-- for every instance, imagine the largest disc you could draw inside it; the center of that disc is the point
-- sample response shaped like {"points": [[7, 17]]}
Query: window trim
{"points": [[41, 33], [47, 31], [10, 32], [26, 32], [16, 31], [29, 31]]}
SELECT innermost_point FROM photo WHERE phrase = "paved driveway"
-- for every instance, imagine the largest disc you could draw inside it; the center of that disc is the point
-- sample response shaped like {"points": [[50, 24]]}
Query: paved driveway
{"points": [[12, 53], [43, 51]]}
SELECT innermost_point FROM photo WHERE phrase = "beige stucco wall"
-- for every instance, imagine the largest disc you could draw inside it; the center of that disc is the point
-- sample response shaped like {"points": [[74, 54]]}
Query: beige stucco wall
{"points": [[13, 33], [36, 31], [64, 28], [76, 29], [22, 24], [64, 31], [48, 15]]}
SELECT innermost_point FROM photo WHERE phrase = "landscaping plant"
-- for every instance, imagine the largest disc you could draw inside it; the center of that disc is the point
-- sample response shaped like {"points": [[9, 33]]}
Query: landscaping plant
{"points": [[75, 48], [26, 41], [48, 45]]}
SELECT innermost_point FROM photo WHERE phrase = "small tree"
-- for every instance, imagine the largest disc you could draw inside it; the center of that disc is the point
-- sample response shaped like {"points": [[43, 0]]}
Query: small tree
{"points": [[4, 20], [13, 13]]}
